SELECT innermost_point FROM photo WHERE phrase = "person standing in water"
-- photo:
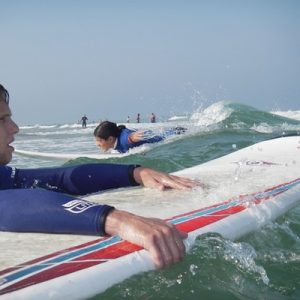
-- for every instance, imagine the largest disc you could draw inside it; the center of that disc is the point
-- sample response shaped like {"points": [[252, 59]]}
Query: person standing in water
{"points": [[84, 121], [138, 118], [152, 118]]}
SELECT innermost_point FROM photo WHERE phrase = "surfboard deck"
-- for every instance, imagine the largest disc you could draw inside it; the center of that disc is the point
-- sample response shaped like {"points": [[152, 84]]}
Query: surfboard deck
{"points": [[243, 191]]}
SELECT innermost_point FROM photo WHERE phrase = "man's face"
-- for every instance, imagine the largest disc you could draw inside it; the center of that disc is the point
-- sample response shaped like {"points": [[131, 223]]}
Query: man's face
{"points": [[8, 128]]}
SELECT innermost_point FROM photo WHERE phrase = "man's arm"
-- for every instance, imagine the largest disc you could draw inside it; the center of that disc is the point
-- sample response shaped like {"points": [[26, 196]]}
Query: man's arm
{"points": [[91, 178], [76, 180], [39, 210]]}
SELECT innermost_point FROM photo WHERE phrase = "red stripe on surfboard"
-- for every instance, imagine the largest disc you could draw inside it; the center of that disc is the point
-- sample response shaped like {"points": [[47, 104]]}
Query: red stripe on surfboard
{"points": [[253, 199], [83, 262], [203, 221]]}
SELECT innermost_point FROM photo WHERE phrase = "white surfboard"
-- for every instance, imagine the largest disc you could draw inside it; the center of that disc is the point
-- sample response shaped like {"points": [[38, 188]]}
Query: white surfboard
{"points": [[66, 156], [54, 156], [243, 191]]}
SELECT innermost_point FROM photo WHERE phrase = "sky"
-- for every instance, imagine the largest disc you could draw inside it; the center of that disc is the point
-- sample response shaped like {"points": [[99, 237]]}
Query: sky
{"points": [[111, 59]]}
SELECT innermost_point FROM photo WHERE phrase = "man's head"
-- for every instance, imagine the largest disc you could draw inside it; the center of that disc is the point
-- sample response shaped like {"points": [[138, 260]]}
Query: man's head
{"points": [[8, 128], [4, 96]]}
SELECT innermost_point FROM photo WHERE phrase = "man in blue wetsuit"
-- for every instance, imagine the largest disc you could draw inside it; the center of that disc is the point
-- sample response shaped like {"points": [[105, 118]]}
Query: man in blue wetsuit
{"points": [[40, 200], [83, 121]]}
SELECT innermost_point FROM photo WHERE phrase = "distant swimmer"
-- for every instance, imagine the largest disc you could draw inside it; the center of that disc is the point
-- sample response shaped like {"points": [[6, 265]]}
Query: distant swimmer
{"points": [[83, 121], [109, 135], [138, 118], [128, 120], [152, 118]]}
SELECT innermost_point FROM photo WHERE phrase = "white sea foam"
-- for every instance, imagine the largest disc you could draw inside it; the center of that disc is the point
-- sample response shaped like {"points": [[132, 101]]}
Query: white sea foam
{"points": [[178, 118], [213, 114], [266, 128], [292, 114]]}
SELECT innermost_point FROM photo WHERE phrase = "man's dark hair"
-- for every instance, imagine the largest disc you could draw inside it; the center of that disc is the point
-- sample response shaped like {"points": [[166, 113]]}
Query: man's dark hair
{"points": [[4, 95]]}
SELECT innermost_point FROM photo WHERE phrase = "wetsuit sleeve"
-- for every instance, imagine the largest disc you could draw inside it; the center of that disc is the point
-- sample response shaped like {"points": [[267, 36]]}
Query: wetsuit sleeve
{"points": [[7, 175], [154, 139], [38, 210], [76, 180]]}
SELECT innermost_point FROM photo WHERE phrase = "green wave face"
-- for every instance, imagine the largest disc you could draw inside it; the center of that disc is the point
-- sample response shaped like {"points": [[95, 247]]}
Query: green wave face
{"points": [[250, 116]]}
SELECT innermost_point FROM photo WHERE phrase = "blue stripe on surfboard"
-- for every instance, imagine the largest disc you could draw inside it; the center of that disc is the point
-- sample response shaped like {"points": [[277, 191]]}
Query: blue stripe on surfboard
{"points": [[115, 239]]}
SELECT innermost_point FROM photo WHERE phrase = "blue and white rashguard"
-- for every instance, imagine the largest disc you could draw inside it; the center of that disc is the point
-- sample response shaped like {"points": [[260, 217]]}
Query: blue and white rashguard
{"points": [[123, 143], [40, 200]]}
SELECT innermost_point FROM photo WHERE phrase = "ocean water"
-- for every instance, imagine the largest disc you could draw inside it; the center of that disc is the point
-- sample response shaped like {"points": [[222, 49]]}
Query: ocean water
{"points": [[262, 265]]}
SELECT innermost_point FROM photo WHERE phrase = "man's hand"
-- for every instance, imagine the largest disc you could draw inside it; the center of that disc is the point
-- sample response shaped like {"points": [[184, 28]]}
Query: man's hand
{"points": [[160, 180], [163, 241]]}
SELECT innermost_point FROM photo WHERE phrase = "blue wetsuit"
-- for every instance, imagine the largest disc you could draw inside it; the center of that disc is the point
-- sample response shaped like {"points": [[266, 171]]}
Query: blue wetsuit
{"points": [[39, 200], [123, 144]]}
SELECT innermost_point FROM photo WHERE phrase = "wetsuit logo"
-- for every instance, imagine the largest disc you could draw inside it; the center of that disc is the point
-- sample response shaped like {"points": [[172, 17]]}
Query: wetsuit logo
{"points": [[78, 206], [13, 173]]}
